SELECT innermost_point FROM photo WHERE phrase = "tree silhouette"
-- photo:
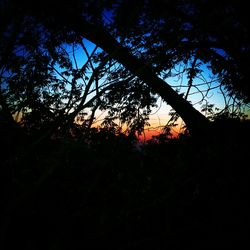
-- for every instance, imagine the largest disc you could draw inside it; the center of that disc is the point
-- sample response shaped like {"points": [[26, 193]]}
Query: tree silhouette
{"points": [[94, 186], [178, 33]]}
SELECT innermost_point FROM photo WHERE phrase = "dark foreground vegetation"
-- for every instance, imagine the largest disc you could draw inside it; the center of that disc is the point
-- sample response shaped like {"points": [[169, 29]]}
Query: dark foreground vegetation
{"points": [[66, 184], [67, 194]]}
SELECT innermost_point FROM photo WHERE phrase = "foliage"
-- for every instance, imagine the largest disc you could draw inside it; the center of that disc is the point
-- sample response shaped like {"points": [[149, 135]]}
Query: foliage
{"points": [[98, 186], [167, 32], [41, 80], [130, 104], [126, 197]]}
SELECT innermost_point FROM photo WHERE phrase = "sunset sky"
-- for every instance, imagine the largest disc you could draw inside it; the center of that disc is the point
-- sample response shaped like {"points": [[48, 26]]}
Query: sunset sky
{"points": [[160, 115]]}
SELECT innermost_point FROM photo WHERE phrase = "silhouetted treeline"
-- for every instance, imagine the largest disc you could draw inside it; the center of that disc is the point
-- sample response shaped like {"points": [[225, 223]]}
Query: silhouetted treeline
{"points": [[68, 185], [65, 193]]}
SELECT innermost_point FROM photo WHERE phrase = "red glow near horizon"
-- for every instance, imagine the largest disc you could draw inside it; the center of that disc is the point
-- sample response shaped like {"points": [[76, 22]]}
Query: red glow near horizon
{"points": [[149, 133]]}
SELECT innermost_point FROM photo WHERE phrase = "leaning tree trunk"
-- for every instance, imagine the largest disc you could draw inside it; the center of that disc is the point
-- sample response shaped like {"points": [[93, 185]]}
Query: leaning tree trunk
{"points": [[194, 120]]}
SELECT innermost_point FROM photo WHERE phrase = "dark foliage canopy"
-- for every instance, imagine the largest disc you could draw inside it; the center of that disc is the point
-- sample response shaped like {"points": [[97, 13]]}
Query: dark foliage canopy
{"points": [[148, 37], [65, 183]]}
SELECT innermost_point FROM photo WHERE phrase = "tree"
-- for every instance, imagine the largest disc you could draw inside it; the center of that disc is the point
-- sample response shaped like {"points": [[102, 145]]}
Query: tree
{"points": [[44, 83], [161, 50], [167, 46]]}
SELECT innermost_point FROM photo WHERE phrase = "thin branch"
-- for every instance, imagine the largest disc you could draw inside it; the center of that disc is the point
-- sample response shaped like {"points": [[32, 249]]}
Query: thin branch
{"points": [[87, 54], [191, 76], [74, 56], [61, 75]]}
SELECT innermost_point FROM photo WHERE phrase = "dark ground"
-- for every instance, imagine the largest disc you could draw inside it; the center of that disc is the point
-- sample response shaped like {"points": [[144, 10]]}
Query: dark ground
{"points": [[184, 193]]}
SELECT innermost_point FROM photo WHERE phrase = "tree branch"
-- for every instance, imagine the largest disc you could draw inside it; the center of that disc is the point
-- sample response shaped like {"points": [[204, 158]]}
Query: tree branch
{"points": [[193, 118]]}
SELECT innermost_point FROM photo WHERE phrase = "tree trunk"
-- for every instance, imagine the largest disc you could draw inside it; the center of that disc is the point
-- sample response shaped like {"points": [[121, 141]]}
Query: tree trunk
{"points": [[194, 120]]}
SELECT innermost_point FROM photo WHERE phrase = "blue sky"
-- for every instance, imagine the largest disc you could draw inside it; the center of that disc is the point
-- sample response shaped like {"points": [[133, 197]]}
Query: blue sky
{"points": [[159, 116]]}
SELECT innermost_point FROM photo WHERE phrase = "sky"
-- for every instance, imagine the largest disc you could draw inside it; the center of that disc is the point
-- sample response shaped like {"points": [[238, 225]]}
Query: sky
{"points": [[160, 115]]}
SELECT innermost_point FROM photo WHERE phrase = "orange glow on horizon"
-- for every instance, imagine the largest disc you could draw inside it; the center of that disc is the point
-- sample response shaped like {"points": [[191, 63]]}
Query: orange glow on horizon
{"points": [[157, 123], [150, 132]]}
